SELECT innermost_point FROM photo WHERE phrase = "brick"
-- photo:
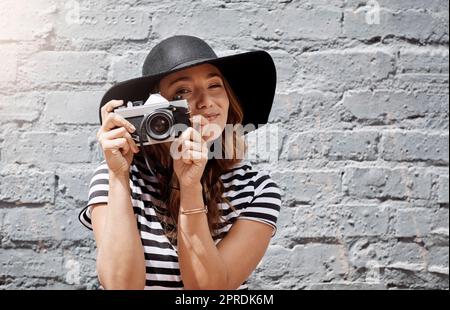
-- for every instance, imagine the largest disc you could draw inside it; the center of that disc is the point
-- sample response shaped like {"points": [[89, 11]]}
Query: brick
{"points": [[384, 183], [319, 109], [318, 106], [309, 186], [24, 20], [74, 183], [415, 146], [386, 106], [29, 283], [9, 61], [440, 222], [313, 108], [284, 107], [422, 81], [319, 23], [28, 186], [355, 145], [59, 147], [275, 262], [127, 66], [372, 256], [72, 267], [66, 67], [331, 263], [413, 222], [306, 146], [73, 107], [426, 60], [31, 143], [81, 22], [376, 257], [265, 143], [286, 67], [443, 189], [401, 278], [38, 224], [77, 145], [28, 263], [357, 286], [314, 222], [294, 266], [421, 25], [204, 23], [334, 145], [24, 107], [286, 227], [318, 3], [337, 221], [340, 70], [49, 285], [400, 5], [438, 270], [438, 259], [80, 262], [407, 256], [288, 4]]}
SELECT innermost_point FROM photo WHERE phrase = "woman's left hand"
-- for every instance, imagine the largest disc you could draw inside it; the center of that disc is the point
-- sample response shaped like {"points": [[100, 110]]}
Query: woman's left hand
{"points": [[190, 153]]}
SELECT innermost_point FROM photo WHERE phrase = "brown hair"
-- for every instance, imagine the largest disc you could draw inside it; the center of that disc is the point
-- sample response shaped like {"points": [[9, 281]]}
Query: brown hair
{"points": [[213, 188]]}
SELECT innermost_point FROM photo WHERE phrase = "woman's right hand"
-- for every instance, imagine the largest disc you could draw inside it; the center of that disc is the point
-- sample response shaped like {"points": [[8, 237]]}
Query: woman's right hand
{"points": [[115, 138]]}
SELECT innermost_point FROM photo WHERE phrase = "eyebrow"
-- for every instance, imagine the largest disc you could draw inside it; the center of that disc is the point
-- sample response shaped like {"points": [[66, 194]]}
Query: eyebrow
{"points": [[187, 78]]}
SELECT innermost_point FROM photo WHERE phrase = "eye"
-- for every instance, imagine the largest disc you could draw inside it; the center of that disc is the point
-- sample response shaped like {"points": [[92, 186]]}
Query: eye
{"points": [[215, 86], [179, 94], [182, 91]]}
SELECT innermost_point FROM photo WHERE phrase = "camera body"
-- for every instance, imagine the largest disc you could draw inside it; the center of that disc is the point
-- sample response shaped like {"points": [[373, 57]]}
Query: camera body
{"points": [[156, 122]]}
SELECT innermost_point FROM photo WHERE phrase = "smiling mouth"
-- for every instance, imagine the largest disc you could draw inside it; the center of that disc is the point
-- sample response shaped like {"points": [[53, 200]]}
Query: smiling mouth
{"points": [[212, 117]]}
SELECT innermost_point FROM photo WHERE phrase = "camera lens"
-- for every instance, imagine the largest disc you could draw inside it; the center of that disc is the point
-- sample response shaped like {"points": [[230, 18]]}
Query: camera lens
{"points": [[159, 124]]}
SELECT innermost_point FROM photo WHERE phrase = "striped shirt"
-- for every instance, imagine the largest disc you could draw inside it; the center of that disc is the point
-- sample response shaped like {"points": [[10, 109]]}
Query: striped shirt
{"points": [[252, 193]]}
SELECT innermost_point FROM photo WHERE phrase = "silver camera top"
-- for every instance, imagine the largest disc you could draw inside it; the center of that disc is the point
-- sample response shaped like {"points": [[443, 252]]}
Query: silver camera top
{"points": [[133, 111]]}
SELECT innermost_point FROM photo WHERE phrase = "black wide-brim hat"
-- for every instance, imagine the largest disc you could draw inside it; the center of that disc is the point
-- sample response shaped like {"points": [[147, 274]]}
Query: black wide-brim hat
{"points": [[251, 75]]}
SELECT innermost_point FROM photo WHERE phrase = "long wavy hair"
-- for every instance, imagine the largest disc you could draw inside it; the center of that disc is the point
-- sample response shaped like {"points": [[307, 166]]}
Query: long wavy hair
{"points": [[213, 188]]}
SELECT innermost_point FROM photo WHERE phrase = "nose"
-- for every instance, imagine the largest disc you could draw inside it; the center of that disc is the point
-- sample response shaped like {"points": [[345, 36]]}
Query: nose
{"points": [[202, 101]]}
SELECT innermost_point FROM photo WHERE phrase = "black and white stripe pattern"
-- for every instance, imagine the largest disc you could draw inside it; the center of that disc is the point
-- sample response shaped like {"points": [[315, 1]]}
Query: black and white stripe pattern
{"points": [[252, 193]]}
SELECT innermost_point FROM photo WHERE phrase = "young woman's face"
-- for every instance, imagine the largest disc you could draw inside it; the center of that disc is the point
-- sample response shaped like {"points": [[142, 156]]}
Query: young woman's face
{"points": [[204, 90]]}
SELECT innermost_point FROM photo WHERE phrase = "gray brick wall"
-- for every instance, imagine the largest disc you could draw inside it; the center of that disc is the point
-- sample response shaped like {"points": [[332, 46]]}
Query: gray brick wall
{"points": [[361, 107]]}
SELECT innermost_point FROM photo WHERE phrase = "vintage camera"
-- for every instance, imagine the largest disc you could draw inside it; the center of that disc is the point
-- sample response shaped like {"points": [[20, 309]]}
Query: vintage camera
{"points": [[156, 122]]}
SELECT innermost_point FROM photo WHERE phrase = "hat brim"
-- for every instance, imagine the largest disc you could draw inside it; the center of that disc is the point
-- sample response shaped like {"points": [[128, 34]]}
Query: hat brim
{"points": [[251, 75]]}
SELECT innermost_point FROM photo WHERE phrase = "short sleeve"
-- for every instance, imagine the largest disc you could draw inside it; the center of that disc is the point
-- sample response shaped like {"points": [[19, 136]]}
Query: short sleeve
{"points": [[266, 203], [98, 193]]}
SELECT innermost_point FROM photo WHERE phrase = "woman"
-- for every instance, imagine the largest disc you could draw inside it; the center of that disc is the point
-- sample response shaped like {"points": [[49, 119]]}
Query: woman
{"points": [[193, 223]]}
